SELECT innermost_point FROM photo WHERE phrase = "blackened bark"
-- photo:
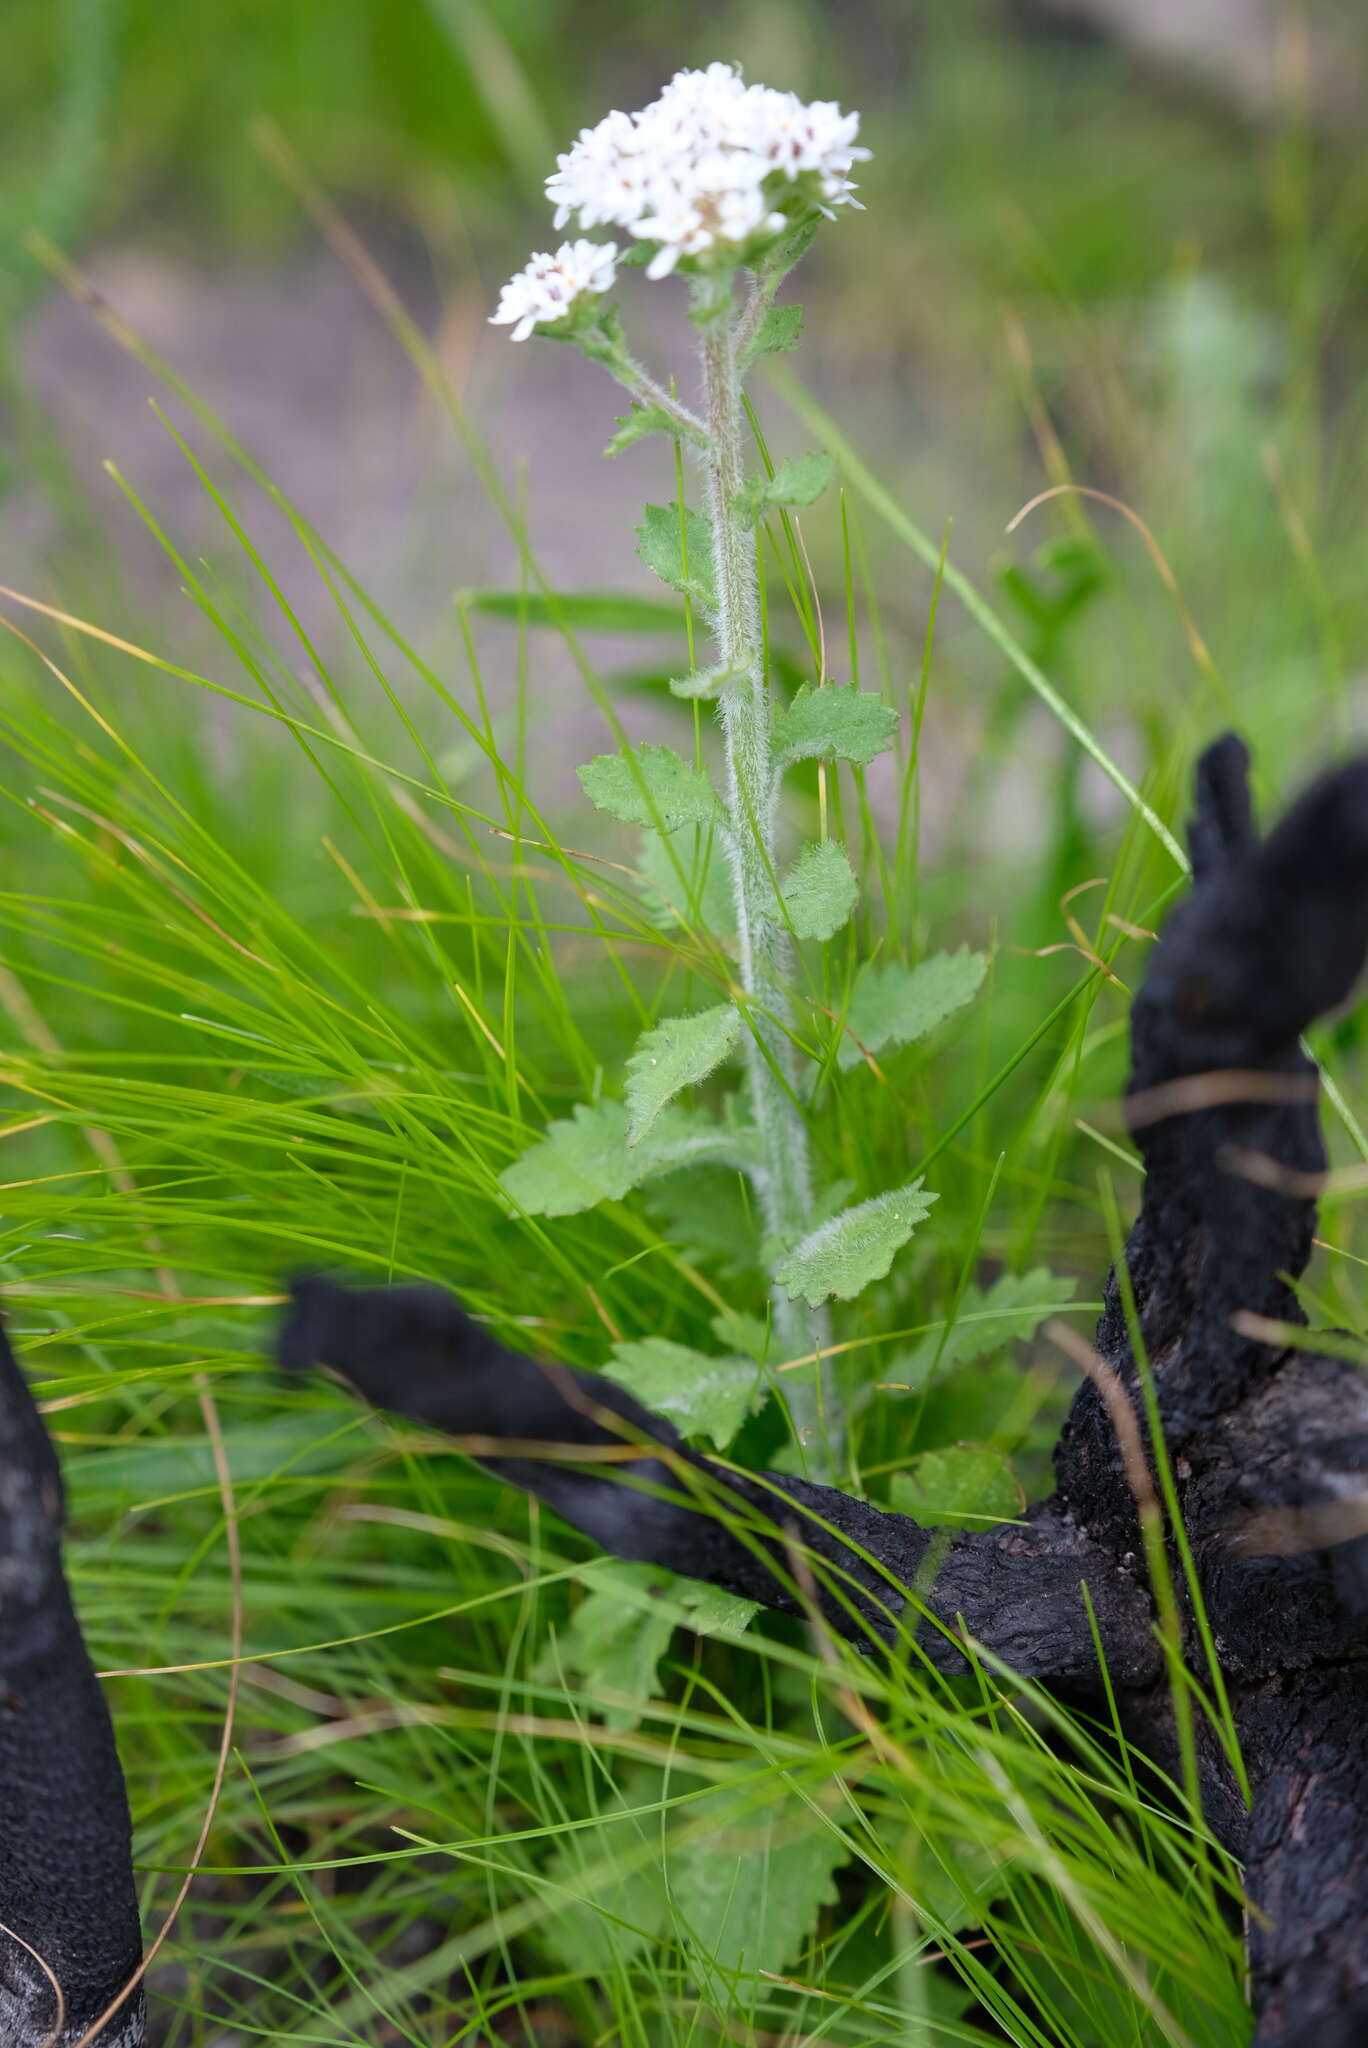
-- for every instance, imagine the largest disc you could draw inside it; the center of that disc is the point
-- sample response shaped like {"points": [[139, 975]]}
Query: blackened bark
{"points": [[1269, 1443], [1305, 1742], [66, 1867], [415, 1350]]}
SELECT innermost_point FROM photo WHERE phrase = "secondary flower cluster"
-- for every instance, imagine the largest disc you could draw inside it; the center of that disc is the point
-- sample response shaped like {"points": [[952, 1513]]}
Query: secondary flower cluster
{"points": [[709, 168], [548, 289]]}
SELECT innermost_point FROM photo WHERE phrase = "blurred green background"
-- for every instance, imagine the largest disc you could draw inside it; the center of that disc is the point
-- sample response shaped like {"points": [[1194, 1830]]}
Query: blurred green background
{"points": [[1114, 240]]}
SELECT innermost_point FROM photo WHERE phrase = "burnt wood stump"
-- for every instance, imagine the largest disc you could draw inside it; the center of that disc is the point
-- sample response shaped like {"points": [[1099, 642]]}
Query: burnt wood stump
{"points": [[1268, 1441], [70, 1941]]}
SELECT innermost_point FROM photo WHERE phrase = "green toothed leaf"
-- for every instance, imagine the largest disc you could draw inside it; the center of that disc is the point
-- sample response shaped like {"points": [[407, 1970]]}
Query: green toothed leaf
{"points": [[799, 480], [709, 1219], [749, 1891], [587, 611], [835, 722], [122, 1473], [711, 1612], [964, 1486], [609, 1889], [841, 1257], [585, 1159], [697, 890], [702, 1396], [709, 683], [746, 1333], [683, 560], [895, 1005], [987, 1321], [650, 786], [953, 1891], [821, 891], [673, 1055], [636, 424], [582, 1160], [618, 1644], [622, 1628], [780, 329]]}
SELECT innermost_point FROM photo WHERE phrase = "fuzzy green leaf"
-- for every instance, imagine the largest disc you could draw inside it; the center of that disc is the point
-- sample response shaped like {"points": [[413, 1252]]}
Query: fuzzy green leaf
{"points": [[743, 1887], [821, 890], [950, 1890], [830, 1201], [618, 1644], [987, 1321], [749, 1891], [622, 1628], [746, 1333], [598, 330], [582, 1160], [799, 480], [695, 891], [708, 683], [125, 1472], [585, 1159], [702, 1396], [650, 786], [672, 1056], [780, 330], [837, 722], [587, 611], [636, 424], [610, 1891], [895, 1005], [711, 1612], [683, 561], [964, 1486], [841, 1257], [710, 1222]]}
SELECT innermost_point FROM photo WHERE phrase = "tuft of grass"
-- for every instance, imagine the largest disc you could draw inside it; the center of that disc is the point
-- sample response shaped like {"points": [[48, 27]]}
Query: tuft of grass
{"points": [[309, 1007]]}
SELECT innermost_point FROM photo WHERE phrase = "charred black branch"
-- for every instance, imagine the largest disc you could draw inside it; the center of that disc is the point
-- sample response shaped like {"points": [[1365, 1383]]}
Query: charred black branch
{"points": [[68, 1910], [625, 1478], [1269, 1443]]}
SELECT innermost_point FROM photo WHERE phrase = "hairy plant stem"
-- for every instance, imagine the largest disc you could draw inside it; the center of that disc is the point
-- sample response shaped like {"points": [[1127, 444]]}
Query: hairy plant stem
{"points": [[604, 344], [783, 1182]]}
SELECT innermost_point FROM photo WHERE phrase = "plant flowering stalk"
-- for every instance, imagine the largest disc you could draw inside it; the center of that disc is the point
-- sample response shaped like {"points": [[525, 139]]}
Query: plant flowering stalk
{"points": [[715, 178], [784, 1183]]}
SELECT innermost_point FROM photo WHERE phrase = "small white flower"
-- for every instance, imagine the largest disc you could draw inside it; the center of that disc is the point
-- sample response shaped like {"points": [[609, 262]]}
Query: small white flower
{"points": [[548, 287], [706, 168], [678, 227]]}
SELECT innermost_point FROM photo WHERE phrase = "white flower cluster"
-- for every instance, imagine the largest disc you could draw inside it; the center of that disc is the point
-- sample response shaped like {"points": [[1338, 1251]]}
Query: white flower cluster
{"points": [[704, 165], [547, 289], [705, 168]]}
